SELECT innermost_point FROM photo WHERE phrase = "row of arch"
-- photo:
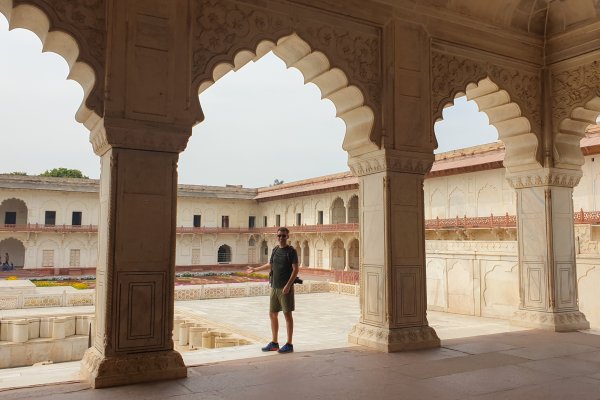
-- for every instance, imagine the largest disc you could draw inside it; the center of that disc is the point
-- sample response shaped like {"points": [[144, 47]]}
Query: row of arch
{"points": [[514, 129]]}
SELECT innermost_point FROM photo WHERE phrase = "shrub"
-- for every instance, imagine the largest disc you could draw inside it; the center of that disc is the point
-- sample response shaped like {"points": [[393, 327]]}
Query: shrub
{"points": [[12, 278]]}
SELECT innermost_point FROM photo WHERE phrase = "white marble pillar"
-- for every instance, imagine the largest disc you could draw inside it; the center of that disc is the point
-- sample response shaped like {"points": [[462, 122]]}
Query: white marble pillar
{"points": [[135, 272], [392, 269], [347, 260], [146, 123], [546, 240]]}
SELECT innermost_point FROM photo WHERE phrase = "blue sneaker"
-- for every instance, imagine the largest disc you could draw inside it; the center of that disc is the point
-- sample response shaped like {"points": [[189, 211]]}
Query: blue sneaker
{"points": [[272, 346], [287, 348]]}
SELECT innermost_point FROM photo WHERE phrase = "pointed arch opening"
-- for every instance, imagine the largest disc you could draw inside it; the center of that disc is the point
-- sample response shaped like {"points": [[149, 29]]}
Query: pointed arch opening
{"points": [[354, 255], [338, 211], [514, 130], [14, 250], [567, 150], [13, 212], [315, 67], [305, 254], [338, 255], [353, 210], [31, 18], [224, 254]]}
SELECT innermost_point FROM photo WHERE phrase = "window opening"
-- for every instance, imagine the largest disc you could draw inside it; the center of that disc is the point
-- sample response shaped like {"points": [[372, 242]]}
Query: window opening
{"points": [[197, 220], [50, 218], [76, 218]]}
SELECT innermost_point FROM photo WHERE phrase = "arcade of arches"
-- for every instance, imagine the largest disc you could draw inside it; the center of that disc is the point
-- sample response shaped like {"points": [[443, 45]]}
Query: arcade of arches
{"points": [[389, 67]]}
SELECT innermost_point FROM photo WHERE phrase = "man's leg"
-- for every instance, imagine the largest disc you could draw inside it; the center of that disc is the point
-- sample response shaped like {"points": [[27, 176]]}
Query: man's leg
{"points": [[289, 322], [274, 325]]}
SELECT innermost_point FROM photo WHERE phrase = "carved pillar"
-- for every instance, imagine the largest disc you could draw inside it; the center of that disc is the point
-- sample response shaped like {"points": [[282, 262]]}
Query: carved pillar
{"points": [[301, 255], [547, 270], [147, 122], [392, 270]]}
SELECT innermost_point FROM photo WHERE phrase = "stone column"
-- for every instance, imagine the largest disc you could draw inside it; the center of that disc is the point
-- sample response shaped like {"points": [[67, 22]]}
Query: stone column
{"points": [[546, 240], [392, 269], [301, 255], [150, 108], [136, 265], [347, 260]]}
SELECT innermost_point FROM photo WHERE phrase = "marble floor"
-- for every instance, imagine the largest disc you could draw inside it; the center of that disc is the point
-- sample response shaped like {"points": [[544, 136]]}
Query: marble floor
{"points": [[480, 358]]}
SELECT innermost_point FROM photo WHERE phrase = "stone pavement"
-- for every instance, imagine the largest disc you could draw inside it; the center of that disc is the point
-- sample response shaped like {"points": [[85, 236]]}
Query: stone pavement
{"points": [[480, 359]]}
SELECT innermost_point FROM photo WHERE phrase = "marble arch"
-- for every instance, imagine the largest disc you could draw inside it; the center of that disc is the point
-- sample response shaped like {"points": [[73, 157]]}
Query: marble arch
{"points": [[505, 115], [407, 58], [316, 68], [56, 37], [566, 148]]}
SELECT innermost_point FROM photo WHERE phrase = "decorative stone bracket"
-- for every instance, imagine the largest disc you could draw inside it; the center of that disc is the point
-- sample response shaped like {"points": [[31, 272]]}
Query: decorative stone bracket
{"points": [[391, 160], [544, 177]]}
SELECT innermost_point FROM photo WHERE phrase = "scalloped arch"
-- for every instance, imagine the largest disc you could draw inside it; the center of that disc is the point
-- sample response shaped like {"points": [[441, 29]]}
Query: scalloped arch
{"points": [[315, 67], [505, 115], [16, 199], [567, 151], [27, 16]]}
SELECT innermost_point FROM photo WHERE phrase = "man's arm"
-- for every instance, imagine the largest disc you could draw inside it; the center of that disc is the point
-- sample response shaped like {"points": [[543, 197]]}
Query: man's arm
{"points": [[254, 269], [290, 283]]}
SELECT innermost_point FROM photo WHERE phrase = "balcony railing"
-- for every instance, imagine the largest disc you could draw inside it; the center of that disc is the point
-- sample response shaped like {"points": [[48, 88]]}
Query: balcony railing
{"points": [[273, 229], [492, 221], [502, 221], [47, 228]]}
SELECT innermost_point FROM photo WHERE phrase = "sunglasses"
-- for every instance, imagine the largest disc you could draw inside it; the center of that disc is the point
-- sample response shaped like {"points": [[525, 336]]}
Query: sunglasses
{"points": [[281, 236]]}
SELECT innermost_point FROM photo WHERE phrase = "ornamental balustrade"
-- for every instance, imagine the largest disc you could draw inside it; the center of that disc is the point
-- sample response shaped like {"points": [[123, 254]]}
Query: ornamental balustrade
{"points": [[273, 229], [491, 221], [47, 228]]}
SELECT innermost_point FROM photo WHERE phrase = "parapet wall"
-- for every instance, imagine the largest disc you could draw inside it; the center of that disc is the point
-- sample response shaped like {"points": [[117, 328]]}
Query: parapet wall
{"points": [[481, 278], [28, 340]]}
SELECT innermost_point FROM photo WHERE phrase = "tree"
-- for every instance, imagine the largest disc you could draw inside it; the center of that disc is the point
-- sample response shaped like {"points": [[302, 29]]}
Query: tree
{"points": [[19, 173], [64, 173], [277, 182]]}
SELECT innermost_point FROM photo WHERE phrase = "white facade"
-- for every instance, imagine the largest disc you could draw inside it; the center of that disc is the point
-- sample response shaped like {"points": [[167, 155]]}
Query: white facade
{"points": [[44, 232], [473, 273]]}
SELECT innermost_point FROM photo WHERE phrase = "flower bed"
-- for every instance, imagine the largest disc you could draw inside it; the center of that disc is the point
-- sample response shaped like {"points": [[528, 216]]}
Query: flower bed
{"points": [[181, 279]]}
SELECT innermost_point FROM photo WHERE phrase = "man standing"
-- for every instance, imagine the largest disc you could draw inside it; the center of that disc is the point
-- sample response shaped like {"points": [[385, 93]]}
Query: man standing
{"points": [[284, 268]]}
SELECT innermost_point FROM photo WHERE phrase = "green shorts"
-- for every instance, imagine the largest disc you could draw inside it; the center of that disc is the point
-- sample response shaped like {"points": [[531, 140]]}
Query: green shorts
{"points": [[281, 302]]}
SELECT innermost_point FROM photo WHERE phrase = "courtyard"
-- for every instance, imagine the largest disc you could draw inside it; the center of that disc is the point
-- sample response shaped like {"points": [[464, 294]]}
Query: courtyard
{"points": [[480, 358]]}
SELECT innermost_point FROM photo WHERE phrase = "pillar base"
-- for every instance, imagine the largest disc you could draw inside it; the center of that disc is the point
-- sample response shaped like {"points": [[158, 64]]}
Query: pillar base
{"points": [[394, 339], [101, 371], [554, 321]]}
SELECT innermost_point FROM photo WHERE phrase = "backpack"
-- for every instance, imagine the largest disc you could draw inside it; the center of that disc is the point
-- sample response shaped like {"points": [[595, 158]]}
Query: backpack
{"points": [[287, 253]]}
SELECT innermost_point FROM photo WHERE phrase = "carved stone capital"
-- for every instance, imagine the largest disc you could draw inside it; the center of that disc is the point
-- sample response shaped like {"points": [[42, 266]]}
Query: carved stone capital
{"points": [[394, 339], [138, 135], [544, 177], [391, 160], [101, 371], [558, 321]]}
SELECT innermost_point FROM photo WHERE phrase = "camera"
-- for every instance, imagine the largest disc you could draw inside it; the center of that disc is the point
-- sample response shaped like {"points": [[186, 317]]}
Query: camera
{"points": [[298, 280]]}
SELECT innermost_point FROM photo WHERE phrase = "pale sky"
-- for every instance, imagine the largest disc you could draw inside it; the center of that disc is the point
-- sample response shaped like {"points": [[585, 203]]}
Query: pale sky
{"points": [[261, 123]]}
